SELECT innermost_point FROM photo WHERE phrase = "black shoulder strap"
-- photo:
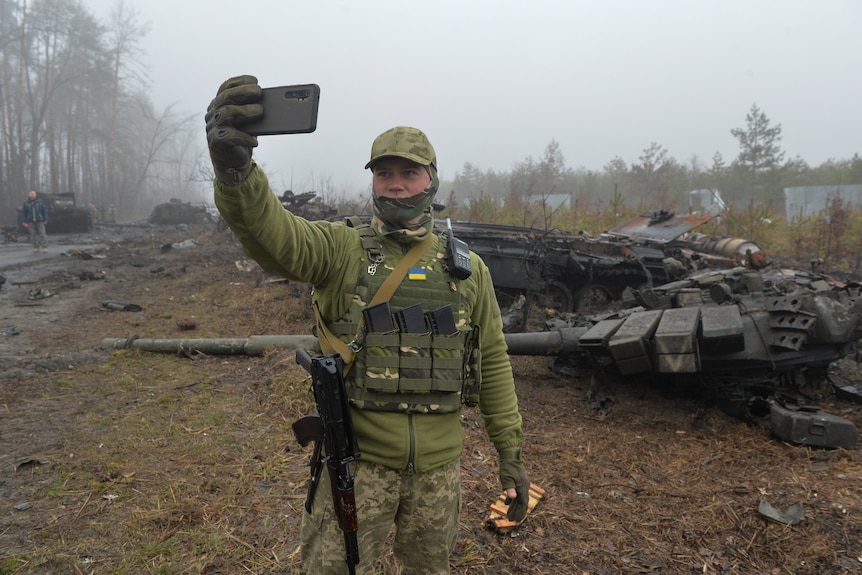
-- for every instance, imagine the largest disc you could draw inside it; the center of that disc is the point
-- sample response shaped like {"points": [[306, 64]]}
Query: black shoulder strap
{"points": [[369, 241]]}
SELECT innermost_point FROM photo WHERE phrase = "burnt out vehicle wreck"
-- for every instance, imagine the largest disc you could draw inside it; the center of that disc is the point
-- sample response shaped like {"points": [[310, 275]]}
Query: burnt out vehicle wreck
{"points": [[578, 272], [656, 301], [757, 343], [177, 212], [307, 204]]}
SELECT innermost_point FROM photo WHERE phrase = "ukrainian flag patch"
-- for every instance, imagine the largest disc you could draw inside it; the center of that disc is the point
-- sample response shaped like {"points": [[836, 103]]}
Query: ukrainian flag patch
{"points": [[416, 274]]}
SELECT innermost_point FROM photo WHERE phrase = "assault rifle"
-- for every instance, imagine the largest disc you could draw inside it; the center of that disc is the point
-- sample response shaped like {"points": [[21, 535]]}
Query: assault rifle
{"points": [[332, 429]]}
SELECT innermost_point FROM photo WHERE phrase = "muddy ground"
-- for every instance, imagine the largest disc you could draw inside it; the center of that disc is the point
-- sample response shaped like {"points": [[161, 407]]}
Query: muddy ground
{"points": [[110, 461]]}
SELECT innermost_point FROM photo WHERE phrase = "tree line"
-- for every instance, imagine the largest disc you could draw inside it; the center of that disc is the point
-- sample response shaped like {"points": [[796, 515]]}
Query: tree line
{"points": [[751, 185], [75, 115], [757, 175]]}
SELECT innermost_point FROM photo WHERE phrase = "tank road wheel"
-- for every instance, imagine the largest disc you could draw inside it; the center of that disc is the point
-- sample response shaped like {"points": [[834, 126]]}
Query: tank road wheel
{"points": [[559, 297], [593, 298]]}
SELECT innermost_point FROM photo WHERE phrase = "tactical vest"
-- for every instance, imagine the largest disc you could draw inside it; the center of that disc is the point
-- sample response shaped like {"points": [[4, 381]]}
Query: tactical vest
{"points": [[409, 372]]}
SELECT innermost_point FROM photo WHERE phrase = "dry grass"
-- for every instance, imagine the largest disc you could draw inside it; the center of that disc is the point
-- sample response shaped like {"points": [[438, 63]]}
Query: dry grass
{"points": [[142, 463]]}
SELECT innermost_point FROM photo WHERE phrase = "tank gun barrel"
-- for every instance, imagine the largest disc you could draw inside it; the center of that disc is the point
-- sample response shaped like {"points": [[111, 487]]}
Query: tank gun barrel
{"points": [[254, 345], [563, 340]]}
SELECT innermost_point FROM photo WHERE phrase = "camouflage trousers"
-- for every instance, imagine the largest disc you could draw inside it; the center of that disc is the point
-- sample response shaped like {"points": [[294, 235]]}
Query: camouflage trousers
{"points": [[423, 508]]}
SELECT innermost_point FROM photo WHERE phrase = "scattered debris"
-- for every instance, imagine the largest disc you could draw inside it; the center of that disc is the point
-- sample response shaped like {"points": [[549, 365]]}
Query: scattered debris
{"points": [[497, 518], [120, 306], [269, 281], [807, 424], [80, 254], [791, 515], [29, 462], [849, 392], [39, 293], [245, 265], [183, 245], [10, 331], [90, 275], [513, 319]]}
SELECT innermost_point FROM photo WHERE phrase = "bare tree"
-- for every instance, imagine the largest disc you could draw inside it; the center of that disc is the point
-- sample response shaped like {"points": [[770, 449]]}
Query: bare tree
{"points": [[126, 33]]}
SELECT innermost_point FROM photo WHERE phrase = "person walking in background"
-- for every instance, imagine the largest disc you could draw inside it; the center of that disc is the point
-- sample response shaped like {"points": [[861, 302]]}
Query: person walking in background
{"points": [[34, 216]]}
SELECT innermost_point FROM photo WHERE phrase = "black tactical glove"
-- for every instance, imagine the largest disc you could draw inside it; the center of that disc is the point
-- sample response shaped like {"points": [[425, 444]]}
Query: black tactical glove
{"points": [[230, 148], [513, 474]]}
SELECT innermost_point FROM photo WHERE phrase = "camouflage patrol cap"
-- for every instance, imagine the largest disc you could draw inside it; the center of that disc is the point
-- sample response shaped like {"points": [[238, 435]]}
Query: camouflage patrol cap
{"points": [[403, 142]]}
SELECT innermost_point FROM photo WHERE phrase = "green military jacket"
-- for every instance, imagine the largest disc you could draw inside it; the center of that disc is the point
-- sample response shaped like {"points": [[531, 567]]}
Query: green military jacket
{"points": [[329, 255]]}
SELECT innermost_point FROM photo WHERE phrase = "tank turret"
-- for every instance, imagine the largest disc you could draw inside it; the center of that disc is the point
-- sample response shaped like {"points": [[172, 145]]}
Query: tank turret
{"points": [[717, 320]]}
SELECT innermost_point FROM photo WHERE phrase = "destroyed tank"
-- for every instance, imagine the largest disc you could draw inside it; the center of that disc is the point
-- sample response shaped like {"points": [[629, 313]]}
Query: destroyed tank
{"points": [[307, 205], [176, 211], [579, 272], [754, 341]]}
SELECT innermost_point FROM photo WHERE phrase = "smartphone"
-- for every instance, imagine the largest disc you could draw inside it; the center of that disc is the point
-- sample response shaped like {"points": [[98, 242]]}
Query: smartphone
{"points": [[287, 110]]}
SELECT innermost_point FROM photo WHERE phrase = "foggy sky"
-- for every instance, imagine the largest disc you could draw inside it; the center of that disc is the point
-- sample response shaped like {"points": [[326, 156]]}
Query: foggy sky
{"points": [[492, 82]]}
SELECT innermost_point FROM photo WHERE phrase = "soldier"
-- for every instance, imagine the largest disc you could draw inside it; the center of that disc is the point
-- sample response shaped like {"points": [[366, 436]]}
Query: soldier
{"points": [[408, 424], [34, 217]]}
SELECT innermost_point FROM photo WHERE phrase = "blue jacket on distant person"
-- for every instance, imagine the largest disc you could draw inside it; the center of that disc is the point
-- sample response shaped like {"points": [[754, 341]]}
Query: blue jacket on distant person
{"points": [[34, 211]]}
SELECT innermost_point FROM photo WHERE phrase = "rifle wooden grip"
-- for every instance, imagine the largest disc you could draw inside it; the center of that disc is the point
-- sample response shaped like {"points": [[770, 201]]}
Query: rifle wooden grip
{"points": [[347, 514]]}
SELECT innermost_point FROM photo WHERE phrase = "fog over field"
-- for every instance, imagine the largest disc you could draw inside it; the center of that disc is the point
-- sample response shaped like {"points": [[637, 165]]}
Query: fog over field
{"points": [[493, 82]]}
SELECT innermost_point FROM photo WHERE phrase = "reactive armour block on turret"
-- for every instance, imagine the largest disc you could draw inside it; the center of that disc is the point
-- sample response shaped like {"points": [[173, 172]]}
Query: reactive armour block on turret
{"points": [[676, 340], [630, 340], [677, 331], [629, 346], [721, 329], [600, 334]]}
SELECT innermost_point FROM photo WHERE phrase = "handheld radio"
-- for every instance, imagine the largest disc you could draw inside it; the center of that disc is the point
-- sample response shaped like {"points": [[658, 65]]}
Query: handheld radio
{"points": [[458, 255]]}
